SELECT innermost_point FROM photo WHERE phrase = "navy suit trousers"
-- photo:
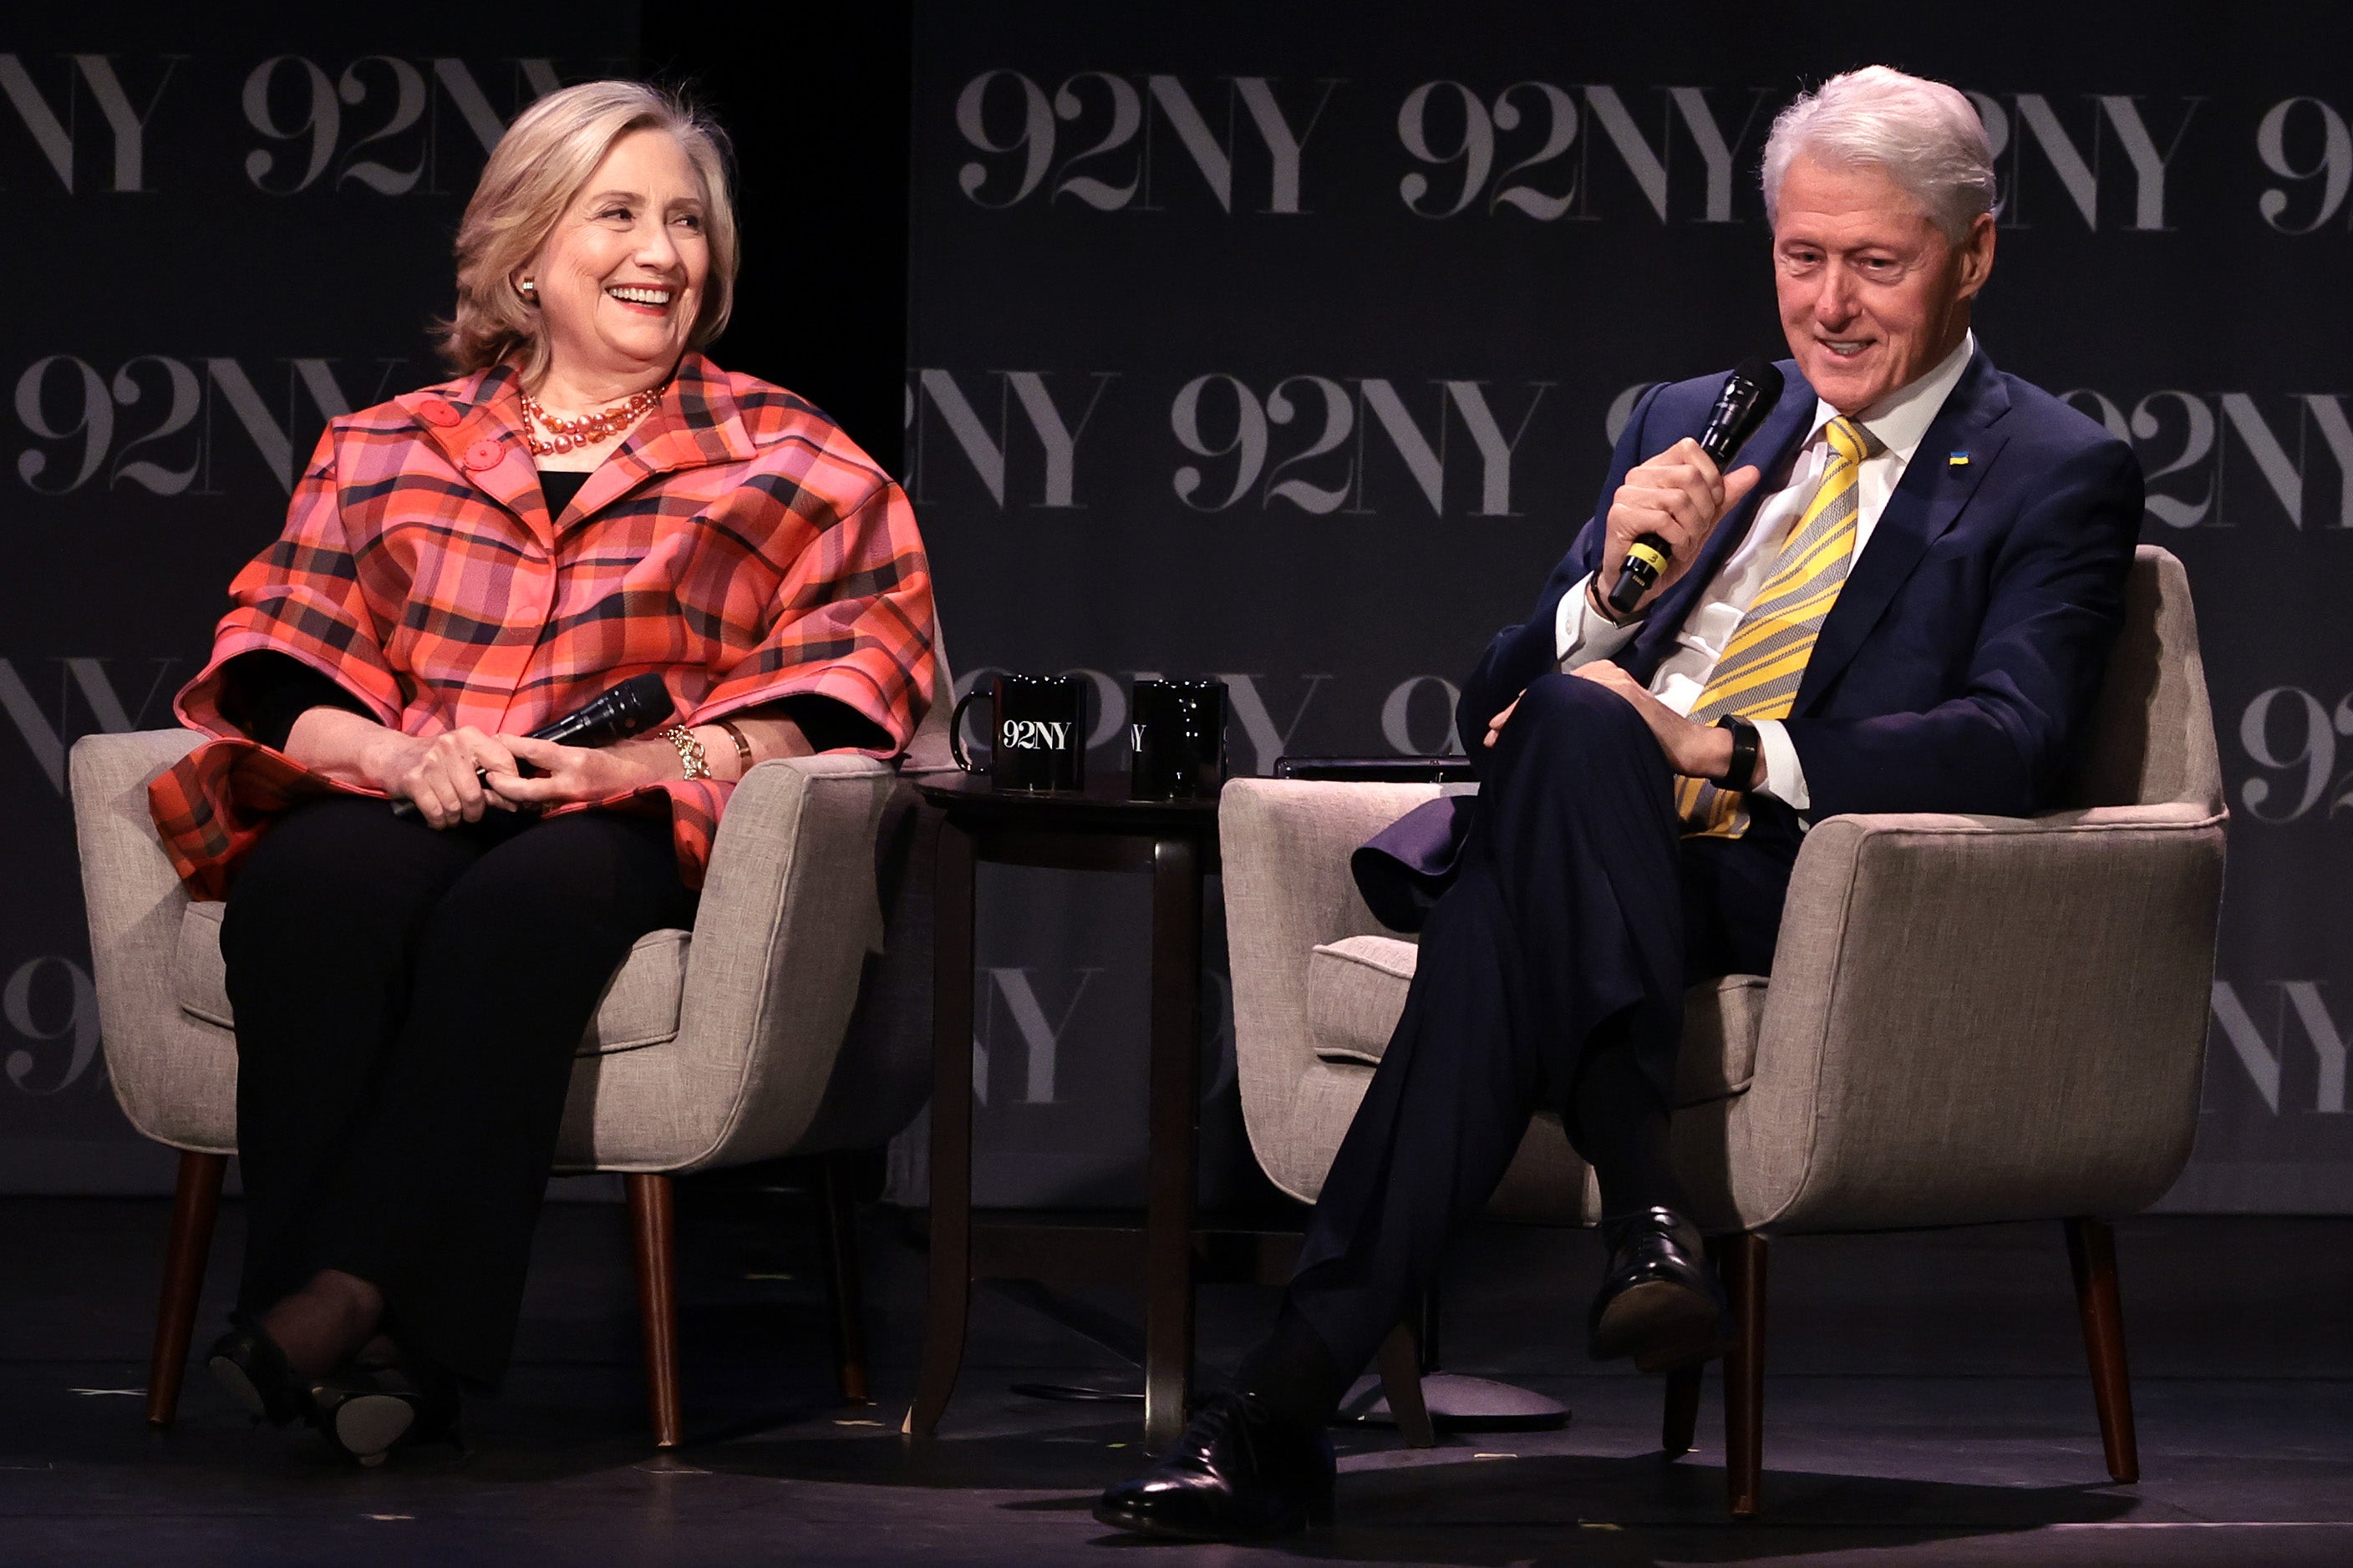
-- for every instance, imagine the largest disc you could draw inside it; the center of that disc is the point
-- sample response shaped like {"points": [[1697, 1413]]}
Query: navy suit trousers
{"points": [[1577, 920]]}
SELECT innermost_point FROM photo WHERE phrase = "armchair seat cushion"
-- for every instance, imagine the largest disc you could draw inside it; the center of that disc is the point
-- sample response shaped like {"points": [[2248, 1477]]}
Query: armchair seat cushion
{"points": [[1355, 994], [639, 1007]]}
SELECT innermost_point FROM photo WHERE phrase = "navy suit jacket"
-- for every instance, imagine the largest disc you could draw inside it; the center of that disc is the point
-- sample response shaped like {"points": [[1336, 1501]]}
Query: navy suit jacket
{"points": [[1957, 668]]}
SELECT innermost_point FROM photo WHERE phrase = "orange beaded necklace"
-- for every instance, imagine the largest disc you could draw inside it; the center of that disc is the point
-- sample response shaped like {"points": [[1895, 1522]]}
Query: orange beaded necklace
{"points": [[566, 435]]}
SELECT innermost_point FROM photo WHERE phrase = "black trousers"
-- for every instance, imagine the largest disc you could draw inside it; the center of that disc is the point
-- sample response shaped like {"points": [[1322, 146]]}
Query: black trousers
{"points": [[1578, 918], [407, 1004]]}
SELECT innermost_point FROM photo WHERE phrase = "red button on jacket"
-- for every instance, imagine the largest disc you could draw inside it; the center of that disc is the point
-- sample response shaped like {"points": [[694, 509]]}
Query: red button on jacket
{"points": [[437, 412], [484, 455]]}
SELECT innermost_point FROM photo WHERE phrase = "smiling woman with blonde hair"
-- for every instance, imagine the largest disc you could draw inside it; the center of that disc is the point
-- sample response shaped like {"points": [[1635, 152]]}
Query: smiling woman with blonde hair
{"points": [[590, 501]]}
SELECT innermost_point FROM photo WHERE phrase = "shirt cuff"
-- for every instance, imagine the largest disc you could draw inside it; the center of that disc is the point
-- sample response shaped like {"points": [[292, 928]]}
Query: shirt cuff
{"points": [[1580, 637], [1784, 779]]}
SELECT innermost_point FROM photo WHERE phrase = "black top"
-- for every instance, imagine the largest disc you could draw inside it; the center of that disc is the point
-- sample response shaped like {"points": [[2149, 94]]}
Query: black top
{"points": [[264, 692], [559, 486]]}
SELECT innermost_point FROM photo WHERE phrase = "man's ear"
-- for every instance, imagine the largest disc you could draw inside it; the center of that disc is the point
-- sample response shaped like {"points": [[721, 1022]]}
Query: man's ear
{"points": [[1976, 254]]}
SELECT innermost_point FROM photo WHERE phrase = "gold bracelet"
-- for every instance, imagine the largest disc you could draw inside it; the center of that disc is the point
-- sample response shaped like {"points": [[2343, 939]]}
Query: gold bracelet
{"points": [[742, 747], [692, 758]]}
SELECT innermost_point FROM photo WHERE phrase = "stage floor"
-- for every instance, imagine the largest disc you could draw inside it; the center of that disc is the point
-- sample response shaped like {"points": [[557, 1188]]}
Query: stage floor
{"points": [[1927, 1403]]}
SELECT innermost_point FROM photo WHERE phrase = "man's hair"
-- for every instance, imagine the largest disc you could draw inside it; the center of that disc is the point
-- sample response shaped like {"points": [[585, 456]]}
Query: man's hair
{"points": [[1924, 135], [534, 173]]}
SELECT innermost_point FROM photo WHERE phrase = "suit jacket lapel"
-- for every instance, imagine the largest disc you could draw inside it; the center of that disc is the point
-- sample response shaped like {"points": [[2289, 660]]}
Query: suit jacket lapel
{"points": [[1774, 450], [1927, 502]]}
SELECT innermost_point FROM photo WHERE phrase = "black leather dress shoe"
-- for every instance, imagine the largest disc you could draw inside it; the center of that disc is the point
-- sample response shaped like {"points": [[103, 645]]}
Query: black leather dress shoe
{"points": [[1235, 1472], [1660, 1302], [247, 1363]]}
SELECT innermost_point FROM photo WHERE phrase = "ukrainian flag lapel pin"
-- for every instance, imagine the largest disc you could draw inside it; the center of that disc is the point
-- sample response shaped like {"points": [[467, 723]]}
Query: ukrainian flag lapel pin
{"points": [[1956, 459]]}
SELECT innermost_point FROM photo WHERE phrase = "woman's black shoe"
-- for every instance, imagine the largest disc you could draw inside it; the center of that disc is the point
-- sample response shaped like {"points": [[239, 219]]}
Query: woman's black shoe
{"points": [[1237, 1471], [1660, 1302], [247, 1363], [366, 1410]]}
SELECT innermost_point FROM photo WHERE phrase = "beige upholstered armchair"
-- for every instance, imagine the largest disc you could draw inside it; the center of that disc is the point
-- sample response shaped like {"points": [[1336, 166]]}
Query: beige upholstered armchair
{"points": [[1969, 1018], [716, 1047]]}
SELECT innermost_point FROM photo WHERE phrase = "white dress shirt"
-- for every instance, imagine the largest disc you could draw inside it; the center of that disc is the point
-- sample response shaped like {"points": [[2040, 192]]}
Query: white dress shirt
{"points": [[1900, 421]]}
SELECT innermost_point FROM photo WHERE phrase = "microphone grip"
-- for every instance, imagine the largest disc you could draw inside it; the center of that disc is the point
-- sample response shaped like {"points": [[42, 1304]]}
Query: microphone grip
{"points": [[1646, 561]]}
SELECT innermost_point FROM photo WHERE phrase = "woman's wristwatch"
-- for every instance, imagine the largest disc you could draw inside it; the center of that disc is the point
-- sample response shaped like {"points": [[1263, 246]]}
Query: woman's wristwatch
{"points": [[1741, 773]]}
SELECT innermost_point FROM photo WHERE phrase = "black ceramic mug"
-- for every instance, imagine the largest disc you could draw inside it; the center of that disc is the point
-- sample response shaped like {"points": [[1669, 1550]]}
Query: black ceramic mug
{"points": [[1178, 728], [1038, 731]]}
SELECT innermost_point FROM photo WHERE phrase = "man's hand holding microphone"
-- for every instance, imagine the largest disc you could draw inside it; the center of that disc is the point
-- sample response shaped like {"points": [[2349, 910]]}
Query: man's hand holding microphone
{"points": [[1675, 498], [1658, 522]]}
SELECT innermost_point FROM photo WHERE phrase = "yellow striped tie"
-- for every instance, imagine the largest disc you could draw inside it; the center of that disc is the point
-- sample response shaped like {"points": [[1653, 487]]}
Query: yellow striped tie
{"points": [[1762, 666]]}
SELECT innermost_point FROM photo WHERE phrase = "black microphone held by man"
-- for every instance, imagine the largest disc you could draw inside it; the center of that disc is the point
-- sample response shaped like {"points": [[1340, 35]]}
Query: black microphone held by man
{"points": [[1748, 396]]}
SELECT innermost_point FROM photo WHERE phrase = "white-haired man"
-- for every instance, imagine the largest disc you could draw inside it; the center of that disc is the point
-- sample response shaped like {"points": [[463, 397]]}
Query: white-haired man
{"points": [[1901, 599]]}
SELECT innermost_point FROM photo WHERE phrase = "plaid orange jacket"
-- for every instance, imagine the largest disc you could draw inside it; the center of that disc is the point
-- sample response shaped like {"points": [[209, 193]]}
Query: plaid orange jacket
{"points": [[738, 545]]}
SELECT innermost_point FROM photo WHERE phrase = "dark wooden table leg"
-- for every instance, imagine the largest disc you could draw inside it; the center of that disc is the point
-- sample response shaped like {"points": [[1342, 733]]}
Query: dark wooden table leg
{"points": [[1176, 1112], [1681, 1422], [949, 1296], [1398, 1361], [2091, 1251], [196, 1204], [1428, 1330], [1744, 1373]]}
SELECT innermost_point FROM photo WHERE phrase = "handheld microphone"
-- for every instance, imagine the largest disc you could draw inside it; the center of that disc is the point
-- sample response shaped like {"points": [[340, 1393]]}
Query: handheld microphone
{"points": [[1748, 396], [632, 707]]}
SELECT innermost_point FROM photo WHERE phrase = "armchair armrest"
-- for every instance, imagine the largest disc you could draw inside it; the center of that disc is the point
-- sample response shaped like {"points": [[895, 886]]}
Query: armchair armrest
{"points": [[1284, 845], [1980, 1018], [789, 916], [165, 1070]]}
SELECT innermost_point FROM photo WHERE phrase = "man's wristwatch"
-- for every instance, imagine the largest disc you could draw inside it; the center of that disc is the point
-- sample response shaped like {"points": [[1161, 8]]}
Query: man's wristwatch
{"points": [[1742, 772]]}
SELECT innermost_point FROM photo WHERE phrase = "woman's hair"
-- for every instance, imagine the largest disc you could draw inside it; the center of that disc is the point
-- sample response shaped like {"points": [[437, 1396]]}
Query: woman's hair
{"points": [[1924, 135], [535, 172]]}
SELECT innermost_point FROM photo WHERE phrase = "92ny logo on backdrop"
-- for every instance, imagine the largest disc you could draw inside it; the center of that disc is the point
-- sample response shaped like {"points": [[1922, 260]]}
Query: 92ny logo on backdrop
{"points": [[86, 124], [2218, 459], [161, 422], [1547, 151], [1319, 444]]}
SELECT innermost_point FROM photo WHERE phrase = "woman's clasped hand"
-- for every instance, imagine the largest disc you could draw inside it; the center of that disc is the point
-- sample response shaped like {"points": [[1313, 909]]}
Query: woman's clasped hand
{"points": [[460, 775]]}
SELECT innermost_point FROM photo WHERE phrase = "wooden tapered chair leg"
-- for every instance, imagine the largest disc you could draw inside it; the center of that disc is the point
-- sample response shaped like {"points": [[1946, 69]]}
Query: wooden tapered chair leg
{"points": [[1744, 1373], [2091, 1251], [1681, 1422], [196, 1205], [844, 1292], [1398, 1361], [652, 1226]]}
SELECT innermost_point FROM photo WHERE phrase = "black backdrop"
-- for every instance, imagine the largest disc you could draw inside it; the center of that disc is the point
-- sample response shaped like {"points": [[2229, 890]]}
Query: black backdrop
{"points": [[1277, 342]]}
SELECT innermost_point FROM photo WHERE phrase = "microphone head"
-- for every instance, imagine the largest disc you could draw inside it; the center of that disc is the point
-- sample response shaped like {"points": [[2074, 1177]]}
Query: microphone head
{"points": [[1762, 373], [639, 703], [1748, 396]]}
